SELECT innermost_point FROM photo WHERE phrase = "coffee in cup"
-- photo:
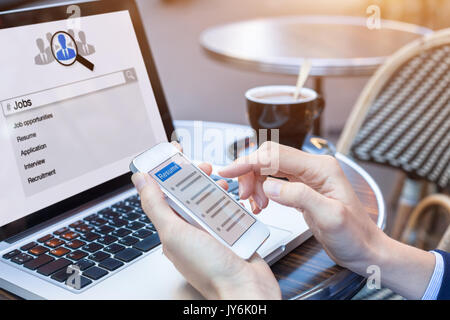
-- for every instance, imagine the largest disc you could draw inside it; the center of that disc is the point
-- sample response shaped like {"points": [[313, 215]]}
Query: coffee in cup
{"points": [[275, 107]]}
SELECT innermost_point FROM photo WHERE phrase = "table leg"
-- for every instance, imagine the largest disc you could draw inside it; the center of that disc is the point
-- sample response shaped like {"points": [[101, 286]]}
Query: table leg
{"points": [[317, 130]]}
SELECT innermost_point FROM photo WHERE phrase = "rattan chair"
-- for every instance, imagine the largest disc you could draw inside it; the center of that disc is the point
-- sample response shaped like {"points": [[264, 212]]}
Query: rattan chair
{"points": [[402, 119], [410, 235]]}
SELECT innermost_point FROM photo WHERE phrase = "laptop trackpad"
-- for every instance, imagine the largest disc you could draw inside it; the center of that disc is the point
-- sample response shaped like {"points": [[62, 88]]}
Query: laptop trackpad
{"points": [[277, 239]]}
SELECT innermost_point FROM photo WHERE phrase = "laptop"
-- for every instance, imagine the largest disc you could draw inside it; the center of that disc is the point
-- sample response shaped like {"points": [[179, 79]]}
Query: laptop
{"points": [[80, 97]]}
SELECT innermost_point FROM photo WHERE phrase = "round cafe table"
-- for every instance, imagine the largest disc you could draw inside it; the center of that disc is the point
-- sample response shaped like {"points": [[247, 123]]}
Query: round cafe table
{"points": [[336, 45]]}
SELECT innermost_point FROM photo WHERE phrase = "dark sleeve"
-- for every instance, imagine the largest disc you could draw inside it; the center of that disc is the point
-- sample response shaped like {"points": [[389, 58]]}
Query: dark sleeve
{"points": [[444, 292]]}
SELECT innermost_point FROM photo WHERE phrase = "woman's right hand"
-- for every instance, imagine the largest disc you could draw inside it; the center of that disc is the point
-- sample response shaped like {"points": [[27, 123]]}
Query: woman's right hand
{"points": [[318, 188]]}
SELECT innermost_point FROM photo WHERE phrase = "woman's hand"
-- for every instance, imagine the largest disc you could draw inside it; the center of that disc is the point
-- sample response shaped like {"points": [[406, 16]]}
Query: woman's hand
{"points": [[318, 188], [209, 266]]}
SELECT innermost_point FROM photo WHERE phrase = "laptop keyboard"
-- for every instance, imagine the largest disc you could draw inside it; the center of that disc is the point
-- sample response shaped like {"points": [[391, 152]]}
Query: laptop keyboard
{"points": [[98, 245]]}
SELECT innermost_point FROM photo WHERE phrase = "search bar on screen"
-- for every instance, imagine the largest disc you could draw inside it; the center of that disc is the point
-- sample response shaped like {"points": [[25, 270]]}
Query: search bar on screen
{"points": [[68, 91]]}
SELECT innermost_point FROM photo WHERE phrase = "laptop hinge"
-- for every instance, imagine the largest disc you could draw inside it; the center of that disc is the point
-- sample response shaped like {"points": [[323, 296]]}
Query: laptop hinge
{"points": [[63, 216]]}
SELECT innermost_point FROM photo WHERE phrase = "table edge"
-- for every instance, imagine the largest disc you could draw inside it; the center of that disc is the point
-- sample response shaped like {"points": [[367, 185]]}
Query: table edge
{"points": [[320, 67]]}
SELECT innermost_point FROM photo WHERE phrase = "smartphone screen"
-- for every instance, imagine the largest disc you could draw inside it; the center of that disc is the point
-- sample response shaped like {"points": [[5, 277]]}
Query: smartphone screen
{"points": [[203, 197]]}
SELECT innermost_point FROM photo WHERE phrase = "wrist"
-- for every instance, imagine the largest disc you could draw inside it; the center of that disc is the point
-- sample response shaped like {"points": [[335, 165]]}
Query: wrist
{"points": [[248, 288], [374, 251], [404, 269]]}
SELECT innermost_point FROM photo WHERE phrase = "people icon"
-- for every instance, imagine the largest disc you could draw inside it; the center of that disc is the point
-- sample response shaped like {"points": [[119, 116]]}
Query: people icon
{"points": [[45, 55], [65, 47], [49, 37], [72, 34], [64, 53], [84, 48]]}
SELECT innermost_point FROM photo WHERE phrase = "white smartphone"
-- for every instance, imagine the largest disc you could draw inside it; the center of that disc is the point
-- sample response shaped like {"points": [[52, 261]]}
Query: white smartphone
{"points": [[200, 200]]}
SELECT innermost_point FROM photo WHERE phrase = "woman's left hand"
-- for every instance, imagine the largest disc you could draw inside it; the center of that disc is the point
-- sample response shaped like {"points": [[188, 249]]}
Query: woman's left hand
{"points": [[209, 266]]}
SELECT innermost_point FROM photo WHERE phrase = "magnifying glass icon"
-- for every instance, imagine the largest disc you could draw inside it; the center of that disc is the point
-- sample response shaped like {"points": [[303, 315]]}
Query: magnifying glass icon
{"points": [[130, 75], [65, 50]]}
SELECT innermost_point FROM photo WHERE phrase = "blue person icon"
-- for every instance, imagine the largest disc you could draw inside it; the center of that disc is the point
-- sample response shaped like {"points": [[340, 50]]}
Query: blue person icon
{"points": [[65, 53], [65, 50]]}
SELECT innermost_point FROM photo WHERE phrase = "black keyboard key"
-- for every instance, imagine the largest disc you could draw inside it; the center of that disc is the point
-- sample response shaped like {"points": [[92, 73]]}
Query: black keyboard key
{"points": [[77, 255], [128, 241], [54, 266], [61, 231], [84, 264], [148, 243], [84, 228], [128, 254], [106, 240], [38, 250], [117, 222], [95, 273], [54, 243], [110, 264], [91, 217], [151, 227], [92, 247], [75, 244], [59, 252], [98, 222], [76, 224], [144, 219], [122, 208], [38, 262], [139, 210], [134, 203], [90, 236], [99, 256], [103, 211], [131, 216], [135, 225], [21, 258], [44, 238], [28, 246], [143, 233], [122, 232], [104, 229], [11, 254], [84, 282], [114, 248], [110, 214], [70, 235], [61, 276]]}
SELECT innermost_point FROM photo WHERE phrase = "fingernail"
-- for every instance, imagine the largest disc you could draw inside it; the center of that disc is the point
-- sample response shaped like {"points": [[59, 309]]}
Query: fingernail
{"points": [[253, 205], [240, 192], [258, 201], [272, 188], [139, 181]]}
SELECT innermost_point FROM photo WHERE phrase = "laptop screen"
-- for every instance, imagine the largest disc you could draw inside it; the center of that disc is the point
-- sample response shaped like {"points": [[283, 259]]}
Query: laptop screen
{"points": [[76, 106]]}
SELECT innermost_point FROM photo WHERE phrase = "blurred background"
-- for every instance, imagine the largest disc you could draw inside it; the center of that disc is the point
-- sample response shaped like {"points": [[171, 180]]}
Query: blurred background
{"points": [[200, 88]]}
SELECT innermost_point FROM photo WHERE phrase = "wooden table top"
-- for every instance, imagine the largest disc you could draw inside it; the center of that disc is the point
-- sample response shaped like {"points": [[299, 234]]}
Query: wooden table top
{"points": [[307, 271], [336, 45]]}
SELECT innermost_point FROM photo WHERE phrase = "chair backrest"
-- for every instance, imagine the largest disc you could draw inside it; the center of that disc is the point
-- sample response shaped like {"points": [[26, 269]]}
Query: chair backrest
{"points": [[402, 117], [444, 244]]}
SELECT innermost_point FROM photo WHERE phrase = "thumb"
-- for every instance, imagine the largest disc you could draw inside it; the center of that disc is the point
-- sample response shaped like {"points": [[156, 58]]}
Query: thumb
{"points": [[154, 203], [297, 195]]}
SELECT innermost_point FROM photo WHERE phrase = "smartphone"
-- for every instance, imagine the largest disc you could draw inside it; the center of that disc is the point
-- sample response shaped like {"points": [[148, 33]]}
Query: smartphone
{"points": [[200, 200]]}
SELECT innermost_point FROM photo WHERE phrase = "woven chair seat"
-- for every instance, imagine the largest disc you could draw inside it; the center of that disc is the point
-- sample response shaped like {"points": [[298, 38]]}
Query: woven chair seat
{"points": [[408, 125]]}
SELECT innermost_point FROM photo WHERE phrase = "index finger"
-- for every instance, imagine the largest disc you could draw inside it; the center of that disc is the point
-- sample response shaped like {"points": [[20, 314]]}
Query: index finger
{"points": [[271, 159]]}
